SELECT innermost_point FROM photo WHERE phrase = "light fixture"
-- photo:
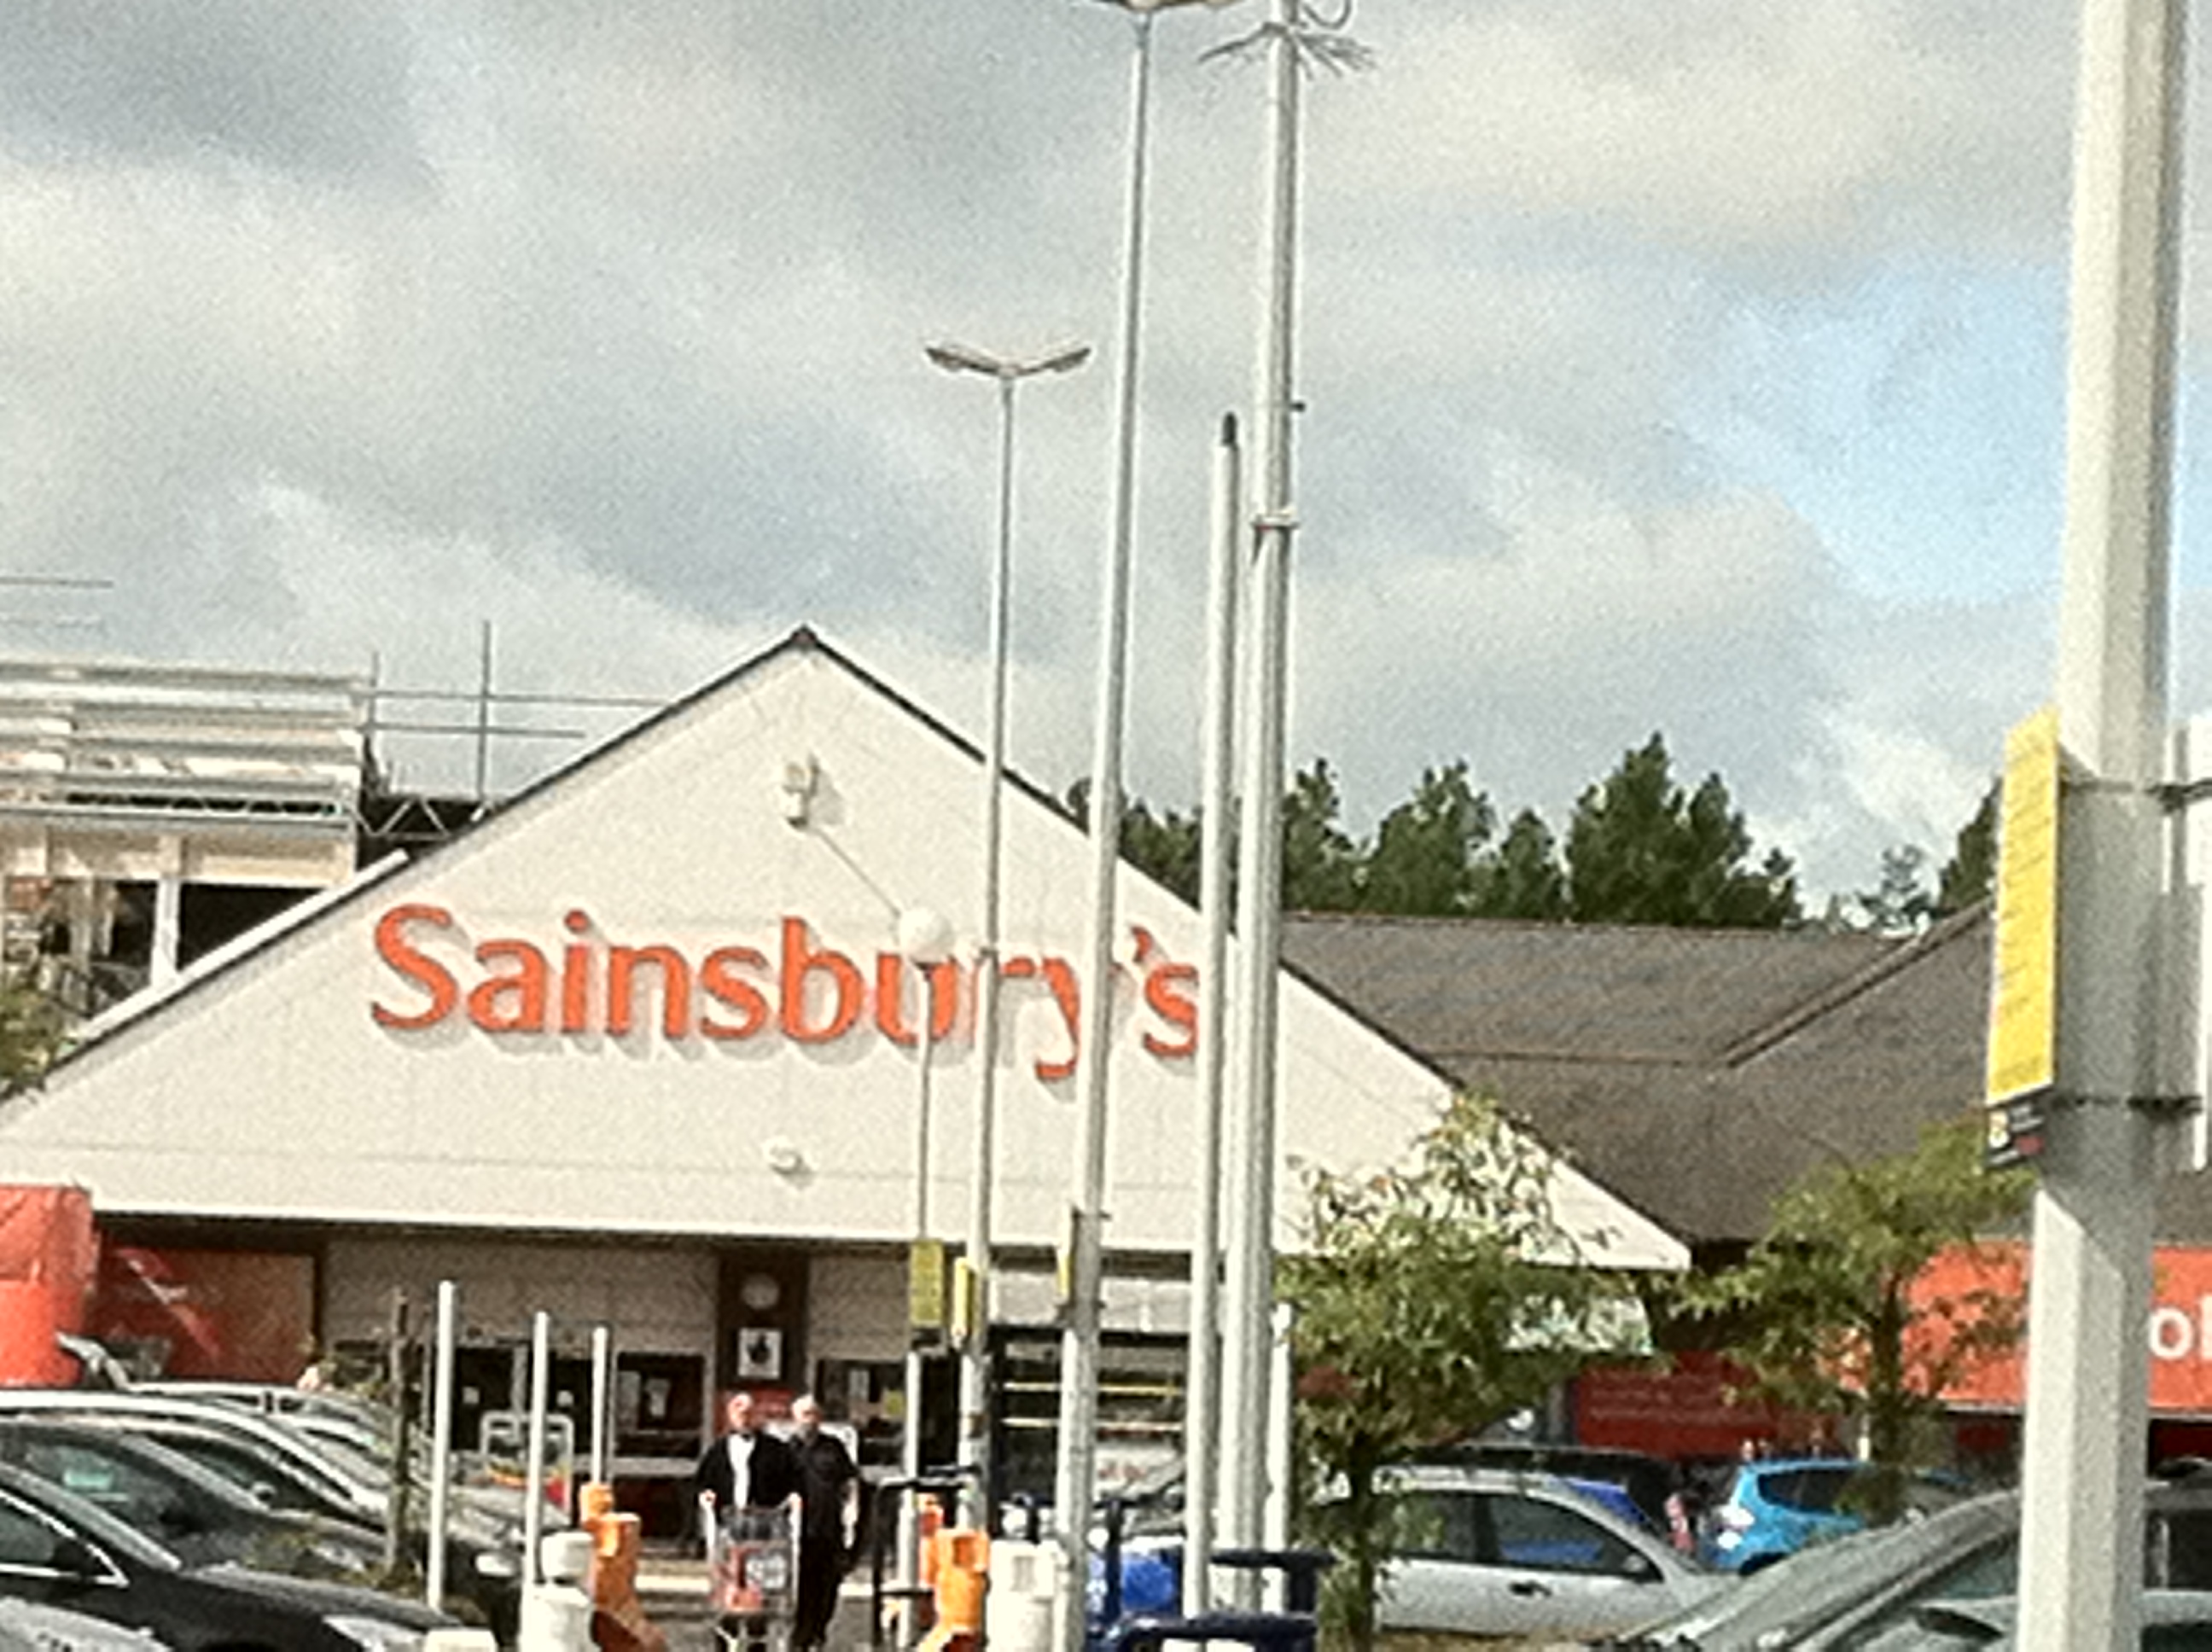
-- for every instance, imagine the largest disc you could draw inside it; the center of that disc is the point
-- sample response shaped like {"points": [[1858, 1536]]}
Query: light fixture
{"points": [[784, 1159], [800, 778]]}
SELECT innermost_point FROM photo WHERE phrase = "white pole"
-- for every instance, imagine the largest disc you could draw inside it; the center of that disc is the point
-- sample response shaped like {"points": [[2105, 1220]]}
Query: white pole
{"points": [[441, 1444], [975, 1449], [1078, 1464], [1249, 1289], [1282, 1441], [602, 1396], [910, 1531], [1202, 1390], [2081, 1537], [533, 1507]]}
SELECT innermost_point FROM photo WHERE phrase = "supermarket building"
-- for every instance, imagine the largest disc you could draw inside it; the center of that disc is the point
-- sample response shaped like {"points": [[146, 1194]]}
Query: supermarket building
{"points": [[641, 1050]]}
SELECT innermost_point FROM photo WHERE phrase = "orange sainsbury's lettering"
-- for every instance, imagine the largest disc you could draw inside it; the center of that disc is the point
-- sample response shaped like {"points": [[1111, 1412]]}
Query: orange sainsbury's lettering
{"points": [[514, 1002], [577, 981], [1166, 992], [432, 977], [718, 979], [675, 988], [943, 989], [801, 961]]}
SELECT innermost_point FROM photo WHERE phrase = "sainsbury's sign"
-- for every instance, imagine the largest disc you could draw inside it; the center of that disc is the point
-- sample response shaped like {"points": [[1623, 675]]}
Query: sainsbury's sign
{"points": [[794, 988]]}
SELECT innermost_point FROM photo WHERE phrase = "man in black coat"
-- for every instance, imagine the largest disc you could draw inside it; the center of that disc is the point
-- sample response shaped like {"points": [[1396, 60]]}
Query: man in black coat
{"points": [[746, 1468], [830, 1524]]}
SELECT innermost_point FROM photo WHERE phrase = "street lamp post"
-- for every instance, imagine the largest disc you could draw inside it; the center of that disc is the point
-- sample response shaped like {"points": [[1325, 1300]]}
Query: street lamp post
{"points": [[1006, 372], [924, 940]]}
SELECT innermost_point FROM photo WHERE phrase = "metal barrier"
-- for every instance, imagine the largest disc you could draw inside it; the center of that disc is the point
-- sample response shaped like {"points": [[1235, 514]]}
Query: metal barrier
{"points": [[883, 1525], [1292, 1630]]}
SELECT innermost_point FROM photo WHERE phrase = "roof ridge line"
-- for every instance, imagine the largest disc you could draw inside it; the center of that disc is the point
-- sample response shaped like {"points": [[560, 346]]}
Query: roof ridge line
{"points": [[1909, 952]]}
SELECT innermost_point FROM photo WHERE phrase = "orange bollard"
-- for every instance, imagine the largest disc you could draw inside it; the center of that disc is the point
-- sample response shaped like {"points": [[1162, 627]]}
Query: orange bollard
{"points": [[618, 1619], [960, 1563]]}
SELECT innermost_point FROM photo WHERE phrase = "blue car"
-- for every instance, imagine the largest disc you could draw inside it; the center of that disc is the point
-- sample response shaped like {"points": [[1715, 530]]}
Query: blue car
{"points": [[1776, 1506]]}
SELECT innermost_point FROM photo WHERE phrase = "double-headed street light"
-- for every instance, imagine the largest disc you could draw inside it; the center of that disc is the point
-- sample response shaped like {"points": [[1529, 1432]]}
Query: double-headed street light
{"points": [[1006, 372]]}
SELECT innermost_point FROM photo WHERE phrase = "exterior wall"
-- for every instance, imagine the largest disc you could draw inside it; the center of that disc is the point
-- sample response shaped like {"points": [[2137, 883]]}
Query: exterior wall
{"points": [[658, 1297], [352, 1071]]}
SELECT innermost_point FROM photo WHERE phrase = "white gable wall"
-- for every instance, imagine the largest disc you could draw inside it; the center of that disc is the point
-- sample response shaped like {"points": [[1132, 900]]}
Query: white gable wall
{"points": [[271, 1091]]}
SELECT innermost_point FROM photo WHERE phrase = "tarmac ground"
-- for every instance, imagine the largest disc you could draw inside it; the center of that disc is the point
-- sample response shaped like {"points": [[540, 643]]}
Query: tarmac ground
{"points": [[673, 1591]]}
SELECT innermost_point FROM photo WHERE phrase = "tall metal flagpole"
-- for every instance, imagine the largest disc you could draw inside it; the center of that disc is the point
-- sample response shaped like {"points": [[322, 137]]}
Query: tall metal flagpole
{"points": [[1246, 1333], [1086, 1257], [2081, 1533]]}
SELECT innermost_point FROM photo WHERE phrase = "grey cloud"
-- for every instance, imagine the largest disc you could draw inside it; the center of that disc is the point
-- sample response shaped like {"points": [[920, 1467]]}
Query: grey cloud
{"points": [[314, 89]]}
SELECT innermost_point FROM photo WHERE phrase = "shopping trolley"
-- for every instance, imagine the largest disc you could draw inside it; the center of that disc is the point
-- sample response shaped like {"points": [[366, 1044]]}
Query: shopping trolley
{"points": [[752, 1577]]}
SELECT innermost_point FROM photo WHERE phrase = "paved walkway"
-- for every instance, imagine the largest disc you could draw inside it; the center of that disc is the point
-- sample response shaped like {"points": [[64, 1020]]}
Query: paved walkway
{"points": [[674, 1592]]}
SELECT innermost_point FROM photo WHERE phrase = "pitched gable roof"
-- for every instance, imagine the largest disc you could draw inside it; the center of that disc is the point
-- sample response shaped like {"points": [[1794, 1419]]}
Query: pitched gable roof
{"points": [[315, 1077], [1694, 1073]]}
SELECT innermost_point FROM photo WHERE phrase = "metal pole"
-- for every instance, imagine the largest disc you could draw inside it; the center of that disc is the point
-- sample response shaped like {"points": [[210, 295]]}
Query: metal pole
{"points": [[974, 1448], [442, 1443], [1079, 1341], [533, 1482], [1249, 1291], [483, 712], [1202, 1391], [2081, 1537], [909, 1538], [602, 1393]]}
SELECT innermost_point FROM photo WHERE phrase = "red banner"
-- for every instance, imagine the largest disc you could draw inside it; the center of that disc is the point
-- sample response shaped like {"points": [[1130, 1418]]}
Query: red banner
{"points": [[2179, 1330], [246, 1314]]}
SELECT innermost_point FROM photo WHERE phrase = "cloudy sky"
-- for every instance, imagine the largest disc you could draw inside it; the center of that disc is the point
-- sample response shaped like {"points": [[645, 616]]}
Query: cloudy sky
{"points": [[1685, 365]]}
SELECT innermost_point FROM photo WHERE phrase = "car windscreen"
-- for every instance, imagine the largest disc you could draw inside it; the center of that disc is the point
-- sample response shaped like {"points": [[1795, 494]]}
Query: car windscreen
{"points": [[1824, 1579], [1815, 1490]]}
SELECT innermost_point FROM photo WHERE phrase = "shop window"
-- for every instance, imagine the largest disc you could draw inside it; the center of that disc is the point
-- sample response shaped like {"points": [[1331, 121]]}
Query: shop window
{"points": [[1140, 1395], [660, 1405]]}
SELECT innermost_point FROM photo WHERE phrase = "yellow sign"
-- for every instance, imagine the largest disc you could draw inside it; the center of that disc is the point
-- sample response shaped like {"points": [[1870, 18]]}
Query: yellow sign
{"points": [[924, 1284], [966, 1288], [2023, 1052]]}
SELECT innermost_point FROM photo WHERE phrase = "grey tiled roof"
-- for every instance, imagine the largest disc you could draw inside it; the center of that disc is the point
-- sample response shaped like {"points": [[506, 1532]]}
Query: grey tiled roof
{"points": [[1693, 1073]]}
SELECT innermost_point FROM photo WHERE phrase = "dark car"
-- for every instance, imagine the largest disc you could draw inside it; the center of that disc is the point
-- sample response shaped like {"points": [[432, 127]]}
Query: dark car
{"points": [[57, 1550], [203, 1517], [482, 1578]]}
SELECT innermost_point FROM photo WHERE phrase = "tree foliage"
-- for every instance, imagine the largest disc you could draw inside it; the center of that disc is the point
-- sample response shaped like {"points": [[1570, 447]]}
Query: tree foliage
{"points": [[1900, 903], [1970, 874], [1522, 878], [1831, 1311], [1640, 850], [1431, 1300], [1426, 862], [1321, 860]]}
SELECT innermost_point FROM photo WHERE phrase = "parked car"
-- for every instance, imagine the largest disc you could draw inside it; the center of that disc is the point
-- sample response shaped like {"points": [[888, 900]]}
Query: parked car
{"points": [[1513, 1554], [1776, 1506], [2173, 1621], [202, 1516], [483, 1566], [28, 1628], [1647, 1481], [57, 1550], [318, 1412], [1839, 1594]]}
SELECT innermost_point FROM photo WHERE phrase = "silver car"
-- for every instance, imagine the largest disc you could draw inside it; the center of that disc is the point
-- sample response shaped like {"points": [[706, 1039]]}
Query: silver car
{"points": [[1502, 1553]]}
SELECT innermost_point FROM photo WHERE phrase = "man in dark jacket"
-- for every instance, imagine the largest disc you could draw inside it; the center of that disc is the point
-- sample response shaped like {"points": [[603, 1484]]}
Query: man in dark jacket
{"points": [[746, 1468], [829, 1482]]}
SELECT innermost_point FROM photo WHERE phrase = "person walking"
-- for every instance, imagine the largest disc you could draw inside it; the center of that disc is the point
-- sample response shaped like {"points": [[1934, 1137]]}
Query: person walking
{"points": [[746, 1469], [829, 1522]]}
